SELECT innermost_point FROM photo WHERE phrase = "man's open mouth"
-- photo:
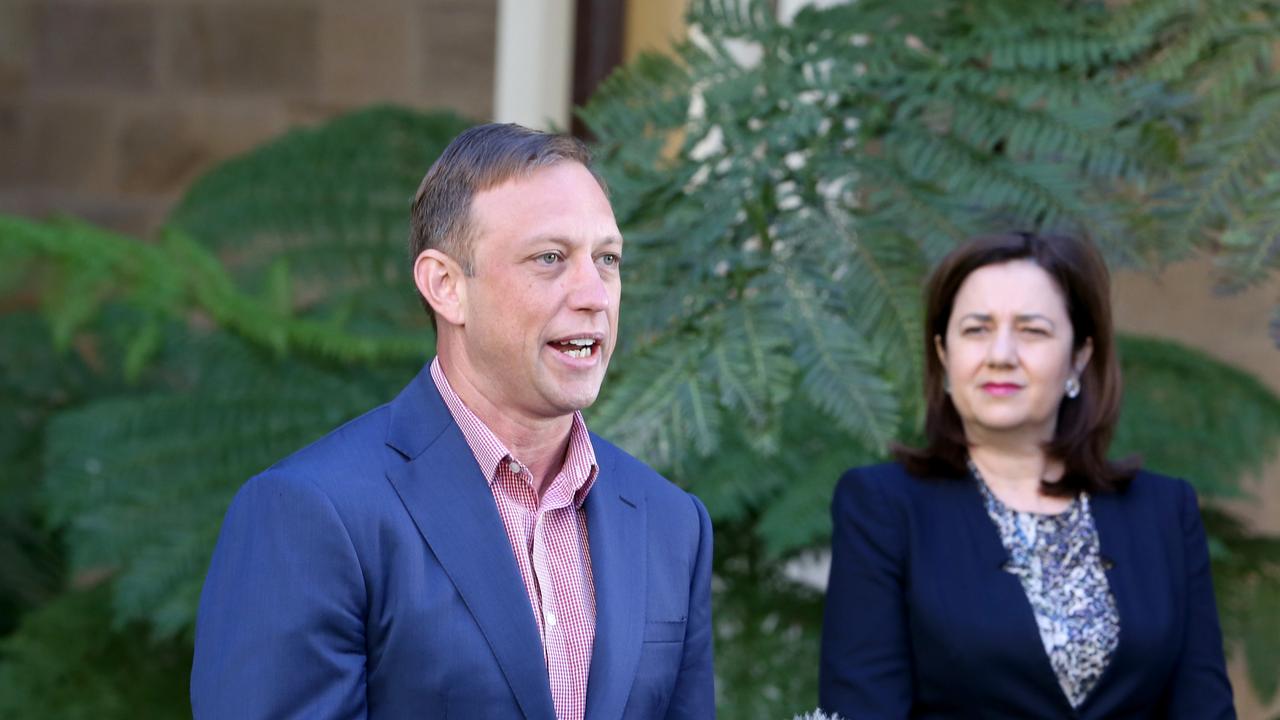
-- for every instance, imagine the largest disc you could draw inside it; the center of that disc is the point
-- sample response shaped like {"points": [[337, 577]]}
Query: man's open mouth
{"points": [[575, 347]]}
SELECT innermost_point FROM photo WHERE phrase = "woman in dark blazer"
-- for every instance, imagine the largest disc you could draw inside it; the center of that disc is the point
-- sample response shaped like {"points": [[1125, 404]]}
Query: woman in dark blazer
{"points": [[1007, 569]]}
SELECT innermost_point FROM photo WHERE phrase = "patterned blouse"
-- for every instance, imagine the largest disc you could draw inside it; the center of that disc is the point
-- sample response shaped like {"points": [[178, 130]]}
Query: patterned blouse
{"points": [[1057, 559]]}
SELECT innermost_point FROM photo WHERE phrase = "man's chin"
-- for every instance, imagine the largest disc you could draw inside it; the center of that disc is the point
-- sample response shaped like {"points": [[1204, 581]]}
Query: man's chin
{"points": [[572, 399]]}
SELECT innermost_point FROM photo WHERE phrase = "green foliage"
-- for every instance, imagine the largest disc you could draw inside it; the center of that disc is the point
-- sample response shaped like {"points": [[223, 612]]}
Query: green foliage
{"points": [[767, 632], [140, 483], [1246, 578], [784, 189], [318, 220], [35, 381], [157, 377], [1226, 194], [69, 661], [1212, 437]]}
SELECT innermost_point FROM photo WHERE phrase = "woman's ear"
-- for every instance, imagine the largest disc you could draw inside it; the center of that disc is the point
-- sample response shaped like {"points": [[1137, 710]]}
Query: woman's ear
{"points": [[1081, 358], [940, 349], [441, 283]]}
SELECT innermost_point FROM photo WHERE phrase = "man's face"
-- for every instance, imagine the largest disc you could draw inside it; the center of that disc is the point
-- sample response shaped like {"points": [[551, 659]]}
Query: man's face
{"points": [[541, 310]]}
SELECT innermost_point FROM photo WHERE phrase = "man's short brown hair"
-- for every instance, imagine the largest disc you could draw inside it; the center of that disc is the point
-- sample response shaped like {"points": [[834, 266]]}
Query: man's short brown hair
{"points": [[479, 159]]}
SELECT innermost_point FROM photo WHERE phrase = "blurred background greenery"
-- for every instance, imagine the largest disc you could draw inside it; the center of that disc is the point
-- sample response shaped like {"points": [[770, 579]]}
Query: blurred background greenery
{"points": [[783, 188]]}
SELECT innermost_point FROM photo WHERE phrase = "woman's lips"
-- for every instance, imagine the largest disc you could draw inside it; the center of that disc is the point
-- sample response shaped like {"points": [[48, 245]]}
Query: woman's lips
{"points": [[1001, 388]]}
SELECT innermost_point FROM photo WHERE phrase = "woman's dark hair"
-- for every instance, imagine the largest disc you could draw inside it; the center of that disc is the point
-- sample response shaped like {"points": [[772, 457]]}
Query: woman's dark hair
{"points": [[1086, 422]]}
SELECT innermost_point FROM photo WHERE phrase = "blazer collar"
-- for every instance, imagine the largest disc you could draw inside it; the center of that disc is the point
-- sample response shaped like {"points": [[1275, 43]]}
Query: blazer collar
{"points": [[616, 527], [451, 503]]}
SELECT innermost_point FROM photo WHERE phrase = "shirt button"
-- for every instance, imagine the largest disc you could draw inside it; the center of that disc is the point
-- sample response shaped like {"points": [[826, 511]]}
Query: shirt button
{"points": [[514, 467], [551, 619]]}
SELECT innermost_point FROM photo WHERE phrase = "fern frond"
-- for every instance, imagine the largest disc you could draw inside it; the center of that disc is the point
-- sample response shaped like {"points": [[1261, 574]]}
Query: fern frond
{"points": [[1232, 164], [838, 371], [172, 279], [70, 643], [332, 203], [140, 483], [732, 18], [1210, 438]]}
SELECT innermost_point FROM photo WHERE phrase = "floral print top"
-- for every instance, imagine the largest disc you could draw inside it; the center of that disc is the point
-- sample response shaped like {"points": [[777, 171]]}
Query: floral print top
{"points": [[1057, 559]]}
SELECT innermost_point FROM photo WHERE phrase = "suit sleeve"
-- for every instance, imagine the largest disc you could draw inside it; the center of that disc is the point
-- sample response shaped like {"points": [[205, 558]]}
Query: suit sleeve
{"points": [[865, 669], [280, 630], [1199, 688], [694, 697]]}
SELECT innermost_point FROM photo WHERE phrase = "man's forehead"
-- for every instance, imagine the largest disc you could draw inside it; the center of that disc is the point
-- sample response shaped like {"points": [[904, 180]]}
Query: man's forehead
{"points": [[560, 199]]}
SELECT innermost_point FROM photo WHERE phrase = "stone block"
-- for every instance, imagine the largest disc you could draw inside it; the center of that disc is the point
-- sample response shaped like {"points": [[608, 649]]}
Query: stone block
{"points": [[245, 48], [63, 144], [15, 46], [458, 39], [159, 152], [315, 112], [139, 218], [163, 150], [94, 45], [366, 52]]}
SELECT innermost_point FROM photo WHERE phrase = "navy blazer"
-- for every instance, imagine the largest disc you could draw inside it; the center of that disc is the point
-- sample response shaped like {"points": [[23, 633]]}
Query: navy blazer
{"points": [[369, 576], [922, 620]]}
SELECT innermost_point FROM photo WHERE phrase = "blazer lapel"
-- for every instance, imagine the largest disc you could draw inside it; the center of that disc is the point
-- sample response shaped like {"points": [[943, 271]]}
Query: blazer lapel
{"points": [[452, 506], [1004, 596], [1115, 544], [616, 532]]}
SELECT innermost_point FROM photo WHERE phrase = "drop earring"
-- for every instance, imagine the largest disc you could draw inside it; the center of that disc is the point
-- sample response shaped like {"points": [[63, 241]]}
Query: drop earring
{"points": [[1073, 387]]}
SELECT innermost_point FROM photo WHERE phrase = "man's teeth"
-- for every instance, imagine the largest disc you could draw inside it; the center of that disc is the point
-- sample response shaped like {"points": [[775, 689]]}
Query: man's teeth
{"points": [[582, 347]]}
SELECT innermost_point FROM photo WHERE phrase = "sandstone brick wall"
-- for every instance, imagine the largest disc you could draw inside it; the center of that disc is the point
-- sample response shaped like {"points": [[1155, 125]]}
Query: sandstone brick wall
{"points": [[109, 108]]}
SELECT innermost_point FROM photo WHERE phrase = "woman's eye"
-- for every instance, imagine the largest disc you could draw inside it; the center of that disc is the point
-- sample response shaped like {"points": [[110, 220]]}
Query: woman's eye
{"points": [[974, 330], [1035, 331]]}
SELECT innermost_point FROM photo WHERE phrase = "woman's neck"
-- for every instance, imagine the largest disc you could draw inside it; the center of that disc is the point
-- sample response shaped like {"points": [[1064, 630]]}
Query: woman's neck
{"points": [[1014, 476]]}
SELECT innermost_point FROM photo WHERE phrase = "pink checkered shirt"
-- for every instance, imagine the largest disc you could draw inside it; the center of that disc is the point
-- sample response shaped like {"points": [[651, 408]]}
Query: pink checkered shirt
{"points": [[549, 541]]}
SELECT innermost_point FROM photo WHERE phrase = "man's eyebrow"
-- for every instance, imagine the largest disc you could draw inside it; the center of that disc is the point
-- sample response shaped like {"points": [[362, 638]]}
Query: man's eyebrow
{"points": [[562, 241]]}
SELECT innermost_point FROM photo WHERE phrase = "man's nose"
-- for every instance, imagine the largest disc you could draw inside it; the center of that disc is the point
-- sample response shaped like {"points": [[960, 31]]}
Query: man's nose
{"points": [[587, 288]]}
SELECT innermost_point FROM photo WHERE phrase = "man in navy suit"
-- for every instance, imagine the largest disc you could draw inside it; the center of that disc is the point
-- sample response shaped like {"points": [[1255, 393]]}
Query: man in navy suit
{"points": [[470, 549]]}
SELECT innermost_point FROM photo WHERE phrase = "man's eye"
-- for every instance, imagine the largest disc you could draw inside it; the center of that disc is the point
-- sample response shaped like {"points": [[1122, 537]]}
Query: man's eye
{"points": [[549, 258], [611, 259]]}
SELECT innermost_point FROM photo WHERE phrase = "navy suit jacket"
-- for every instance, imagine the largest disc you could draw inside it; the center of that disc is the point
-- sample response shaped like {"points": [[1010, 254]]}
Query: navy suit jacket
{"points": [[922, 620], [369, 576]]}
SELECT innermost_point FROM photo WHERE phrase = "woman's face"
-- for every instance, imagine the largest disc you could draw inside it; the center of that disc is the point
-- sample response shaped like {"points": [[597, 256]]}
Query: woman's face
{"points": [[1007, 353]]}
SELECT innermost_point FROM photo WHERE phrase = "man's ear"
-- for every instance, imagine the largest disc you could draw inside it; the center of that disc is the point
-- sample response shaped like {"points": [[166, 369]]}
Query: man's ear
{"points": [[441, 282]]}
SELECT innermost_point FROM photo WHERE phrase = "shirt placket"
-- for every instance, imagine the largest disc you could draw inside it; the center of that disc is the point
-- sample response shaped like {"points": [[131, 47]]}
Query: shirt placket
{"points": [[552, 622]]}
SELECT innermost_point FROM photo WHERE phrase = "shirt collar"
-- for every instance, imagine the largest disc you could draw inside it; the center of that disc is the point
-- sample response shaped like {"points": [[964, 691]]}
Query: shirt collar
{"points": [[579, 466]]}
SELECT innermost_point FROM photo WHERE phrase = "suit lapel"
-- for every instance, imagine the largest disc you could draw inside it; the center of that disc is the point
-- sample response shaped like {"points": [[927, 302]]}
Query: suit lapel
{"points": [[616, 532], [452, 506]]}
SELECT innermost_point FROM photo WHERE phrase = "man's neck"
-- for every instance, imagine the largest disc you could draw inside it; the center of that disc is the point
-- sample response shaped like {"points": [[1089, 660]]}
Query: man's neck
{"points": [[539, 443]]}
